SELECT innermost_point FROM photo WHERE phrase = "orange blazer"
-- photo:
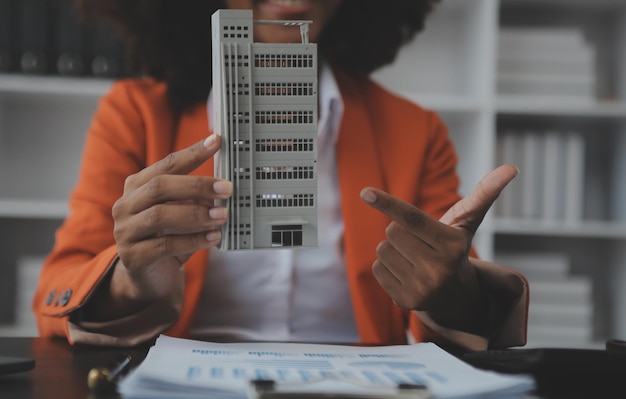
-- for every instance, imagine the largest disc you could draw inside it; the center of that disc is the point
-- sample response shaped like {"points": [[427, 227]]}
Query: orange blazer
{"points": [[384, 141]]}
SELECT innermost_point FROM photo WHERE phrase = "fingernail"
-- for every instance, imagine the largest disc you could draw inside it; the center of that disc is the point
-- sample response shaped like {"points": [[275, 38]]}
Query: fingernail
{"points": [[368, 196], [223, 187], [218, 213], [214, 235], [208, 142]]}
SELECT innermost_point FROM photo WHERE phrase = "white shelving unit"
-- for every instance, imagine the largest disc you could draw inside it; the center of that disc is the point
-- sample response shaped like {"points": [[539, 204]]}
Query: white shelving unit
{"points": [[451, 67], [43, 121]]}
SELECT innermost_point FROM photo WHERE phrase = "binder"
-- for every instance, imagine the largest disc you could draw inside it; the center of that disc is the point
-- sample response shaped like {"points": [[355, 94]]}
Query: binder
{"points": [[108, 53], [69, 38], [7, 35], [34, 32]]}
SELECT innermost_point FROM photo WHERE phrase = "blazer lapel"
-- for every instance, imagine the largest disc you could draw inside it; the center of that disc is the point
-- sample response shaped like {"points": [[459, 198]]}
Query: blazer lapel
{"points": [[359, 166]]}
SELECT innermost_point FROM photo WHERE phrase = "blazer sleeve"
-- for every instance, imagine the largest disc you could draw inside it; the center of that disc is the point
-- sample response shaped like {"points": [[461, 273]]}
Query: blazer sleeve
{"points": [[84, 250], [508, 292]]}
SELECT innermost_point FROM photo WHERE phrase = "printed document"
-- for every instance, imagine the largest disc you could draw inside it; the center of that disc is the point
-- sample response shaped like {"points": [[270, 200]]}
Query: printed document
{"points": [[184, 368]]}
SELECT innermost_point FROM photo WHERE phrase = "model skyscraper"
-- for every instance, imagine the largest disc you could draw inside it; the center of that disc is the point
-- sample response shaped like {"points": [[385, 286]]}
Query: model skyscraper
{"points": [[265, 110]]}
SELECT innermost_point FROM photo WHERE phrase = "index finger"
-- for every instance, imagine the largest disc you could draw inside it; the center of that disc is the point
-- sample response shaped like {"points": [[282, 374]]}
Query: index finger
{"points": [[407, 215], [181, 162]]}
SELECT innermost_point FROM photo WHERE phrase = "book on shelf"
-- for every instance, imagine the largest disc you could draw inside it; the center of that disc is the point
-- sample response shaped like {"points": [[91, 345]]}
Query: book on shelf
{"points": [[7, 35], [553, 189], [547, 314], [598, 177], [540, 336], [69, 38], [617, 208], [509, 202], [534, 38], [580, 62], [107, 53], [551, 185], [531, 174], [574, 177], [551, 85], [536, 265], [47, 37], [34, 36], [553, 62], [573, 291]]}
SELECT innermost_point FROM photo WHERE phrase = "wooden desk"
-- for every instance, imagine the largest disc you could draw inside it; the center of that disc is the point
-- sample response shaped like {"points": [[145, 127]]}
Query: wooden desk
{"points": [[60, 369]]}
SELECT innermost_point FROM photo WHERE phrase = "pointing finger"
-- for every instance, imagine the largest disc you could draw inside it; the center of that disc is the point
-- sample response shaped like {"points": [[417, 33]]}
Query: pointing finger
{"points": [[179, 163], [407, 215]]}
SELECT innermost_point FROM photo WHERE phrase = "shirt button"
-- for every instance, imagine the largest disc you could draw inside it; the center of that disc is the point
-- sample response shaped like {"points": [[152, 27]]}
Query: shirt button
{"points": [[50, 297]]}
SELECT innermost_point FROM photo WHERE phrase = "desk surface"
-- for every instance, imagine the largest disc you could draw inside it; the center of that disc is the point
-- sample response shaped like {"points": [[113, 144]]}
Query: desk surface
{"points": [[60, 369]]}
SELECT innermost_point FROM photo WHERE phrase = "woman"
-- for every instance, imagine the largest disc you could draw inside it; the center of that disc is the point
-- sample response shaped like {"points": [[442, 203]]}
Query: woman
{"points": [[135, 259]]}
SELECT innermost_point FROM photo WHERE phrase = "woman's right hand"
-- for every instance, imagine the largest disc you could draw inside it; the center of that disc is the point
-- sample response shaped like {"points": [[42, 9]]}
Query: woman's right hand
{"points": [[162, 218]]}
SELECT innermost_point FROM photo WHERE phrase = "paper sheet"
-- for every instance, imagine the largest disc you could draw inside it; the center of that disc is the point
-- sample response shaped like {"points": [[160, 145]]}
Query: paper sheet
{"points": [[193, 369]]}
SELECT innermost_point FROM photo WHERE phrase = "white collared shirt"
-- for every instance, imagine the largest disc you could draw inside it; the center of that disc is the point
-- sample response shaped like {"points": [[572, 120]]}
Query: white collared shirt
{"points": [[288, 294]]}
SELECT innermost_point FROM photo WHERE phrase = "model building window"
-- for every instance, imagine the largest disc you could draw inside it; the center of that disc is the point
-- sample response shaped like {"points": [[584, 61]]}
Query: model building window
{"points": [[287, 236], [234, 29], [242, 88], [241, 145], [241, 117], [284, 200], [283, 89], [241, 230], [284, 145], [284, 172], [242, 173], [283, 117], [244, 201], [283, 60]]}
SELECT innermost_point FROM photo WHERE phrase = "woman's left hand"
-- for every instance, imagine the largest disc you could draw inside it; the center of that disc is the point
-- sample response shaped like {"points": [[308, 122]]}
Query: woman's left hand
{"points": [[424, 263]]}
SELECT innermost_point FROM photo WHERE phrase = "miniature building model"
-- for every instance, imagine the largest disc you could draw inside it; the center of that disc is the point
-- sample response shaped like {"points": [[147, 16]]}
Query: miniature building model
{"points": [[265, 109]]}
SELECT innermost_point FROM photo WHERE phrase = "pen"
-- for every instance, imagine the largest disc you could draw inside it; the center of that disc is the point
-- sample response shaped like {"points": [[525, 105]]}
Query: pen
{"points": [[104, 378]]}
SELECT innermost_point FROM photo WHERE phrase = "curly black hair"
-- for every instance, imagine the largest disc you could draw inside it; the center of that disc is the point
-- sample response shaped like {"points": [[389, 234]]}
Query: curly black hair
{"points": [[171, 40]]}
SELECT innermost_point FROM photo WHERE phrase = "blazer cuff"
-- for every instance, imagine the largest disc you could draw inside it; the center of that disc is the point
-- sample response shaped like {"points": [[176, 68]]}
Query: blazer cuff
{"points": [[466, 341], [508, 313], [135, 329]]}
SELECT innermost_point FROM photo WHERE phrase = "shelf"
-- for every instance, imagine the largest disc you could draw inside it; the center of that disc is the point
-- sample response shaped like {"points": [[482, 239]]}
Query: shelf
{"points": [[593, 4], [54, 85], [18, 331], [584, 229], [454, 104], [560, 107], [33, 209]]}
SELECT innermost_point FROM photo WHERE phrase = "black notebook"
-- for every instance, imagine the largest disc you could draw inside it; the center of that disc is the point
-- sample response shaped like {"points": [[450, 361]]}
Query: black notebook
{"points": [[577, 372], [10, 364]]}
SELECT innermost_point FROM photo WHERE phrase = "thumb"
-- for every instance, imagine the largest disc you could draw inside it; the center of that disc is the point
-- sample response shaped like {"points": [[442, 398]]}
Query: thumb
{"points": [[469, 212]]}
